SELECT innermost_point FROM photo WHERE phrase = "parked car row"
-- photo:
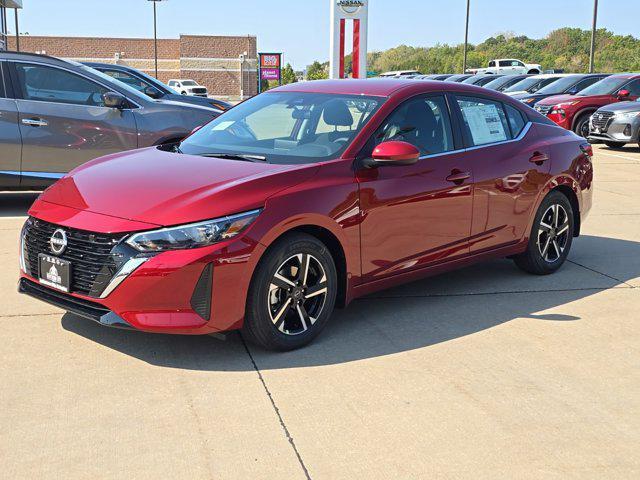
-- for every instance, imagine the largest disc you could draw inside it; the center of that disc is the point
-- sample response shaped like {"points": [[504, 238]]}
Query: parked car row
{"points": [[598, 106], [56, 115]]}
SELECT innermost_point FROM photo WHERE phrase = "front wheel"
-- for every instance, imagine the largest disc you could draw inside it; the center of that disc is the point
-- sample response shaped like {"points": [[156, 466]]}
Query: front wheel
{"points": [[292, 294], [614, 144], [582, 125], [551, 236]]}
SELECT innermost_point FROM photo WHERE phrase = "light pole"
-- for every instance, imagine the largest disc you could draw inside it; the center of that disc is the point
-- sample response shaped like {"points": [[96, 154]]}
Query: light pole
{"points": [[593, 36], [466, 39], [17, 32], [155, 34]]}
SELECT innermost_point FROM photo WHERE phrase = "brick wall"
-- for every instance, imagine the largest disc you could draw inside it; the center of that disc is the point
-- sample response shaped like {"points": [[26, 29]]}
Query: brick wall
{"points": [[212, 61]]}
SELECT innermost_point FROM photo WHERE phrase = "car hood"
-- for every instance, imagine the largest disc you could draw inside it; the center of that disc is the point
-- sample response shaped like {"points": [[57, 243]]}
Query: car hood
{"points": [[593, 99], [163, 188], [175, 102], [622, 107]]}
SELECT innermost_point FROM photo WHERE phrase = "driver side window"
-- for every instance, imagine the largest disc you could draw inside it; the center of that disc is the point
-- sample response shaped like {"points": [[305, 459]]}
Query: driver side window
{"points": [[423, 122], [50, 84], [633, 87]]}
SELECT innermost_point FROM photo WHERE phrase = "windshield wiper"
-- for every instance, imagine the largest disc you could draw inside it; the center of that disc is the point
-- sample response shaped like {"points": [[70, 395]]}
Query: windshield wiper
{"points": [[236, 156]]}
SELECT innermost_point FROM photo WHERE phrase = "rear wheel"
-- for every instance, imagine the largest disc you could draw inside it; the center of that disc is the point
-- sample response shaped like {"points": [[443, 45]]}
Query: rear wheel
{"points": [[582, 125], [614, 144], [292, 294], [551, 236]]}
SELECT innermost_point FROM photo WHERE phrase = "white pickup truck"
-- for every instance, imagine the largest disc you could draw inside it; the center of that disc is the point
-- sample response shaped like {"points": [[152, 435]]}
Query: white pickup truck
{"points": [[507, 66]]}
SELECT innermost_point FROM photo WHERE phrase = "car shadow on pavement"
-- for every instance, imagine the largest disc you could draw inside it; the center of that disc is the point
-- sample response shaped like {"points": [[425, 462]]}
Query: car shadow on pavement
{"points": [[16, 204], [418, 315]]}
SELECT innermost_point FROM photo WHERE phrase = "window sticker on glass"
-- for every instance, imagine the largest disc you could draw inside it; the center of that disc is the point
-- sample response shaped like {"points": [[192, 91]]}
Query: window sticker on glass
{"points": [[485, 123], [223, 125]]}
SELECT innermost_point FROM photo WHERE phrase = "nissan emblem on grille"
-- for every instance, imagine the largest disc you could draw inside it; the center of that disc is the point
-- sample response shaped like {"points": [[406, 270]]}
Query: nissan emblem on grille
{"points": [[58, 241]]}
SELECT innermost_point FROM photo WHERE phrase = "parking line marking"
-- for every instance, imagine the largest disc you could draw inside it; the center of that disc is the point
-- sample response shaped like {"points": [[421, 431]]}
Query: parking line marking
{"points": [[600, 152]]}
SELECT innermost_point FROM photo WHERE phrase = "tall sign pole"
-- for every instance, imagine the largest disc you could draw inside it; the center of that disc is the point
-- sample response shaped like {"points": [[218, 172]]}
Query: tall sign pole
{"points": [[17, 31], [155, 34], [593, 36], [466, 39], [357, 12]]}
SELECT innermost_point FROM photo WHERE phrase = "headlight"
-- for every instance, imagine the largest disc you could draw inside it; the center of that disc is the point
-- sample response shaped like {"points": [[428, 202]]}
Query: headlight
{"points": [[193, 235], [563, 106], [627, 115]]}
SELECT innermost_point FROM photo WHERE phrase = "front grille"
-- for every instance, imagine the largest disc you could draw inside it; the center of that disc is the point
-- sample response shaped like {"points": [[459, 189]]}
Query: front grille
{"points": [[601, 120], [90, 254], [199, 90], [544, 109]]}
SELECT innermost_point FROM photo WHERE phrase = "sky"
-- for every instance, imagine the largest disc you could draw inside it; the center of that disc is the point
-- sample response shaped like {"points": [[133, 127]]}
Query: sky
{"points": [[300, 29]]}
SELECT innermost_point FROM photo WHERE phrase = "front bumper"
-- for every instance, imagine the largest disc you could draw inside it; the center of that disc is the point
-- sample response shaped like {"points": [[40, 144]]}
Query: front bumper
{"points": [[623, 131], [196, 291]]}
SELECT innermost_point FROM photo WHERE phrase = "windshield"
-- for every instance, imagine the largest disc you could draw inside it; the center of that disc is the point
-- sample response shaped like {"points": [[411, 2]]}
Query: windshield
{"points": [[110, 81], [524, 85], [499, 82], [560, 86], [286, 127], [156, 83], [189, 83], [606, 86]]}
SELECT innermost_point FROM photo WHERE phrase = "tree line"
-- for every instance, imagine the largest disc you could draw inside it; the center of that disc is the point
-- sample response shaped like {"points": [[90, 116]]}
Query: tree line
{"points": [[563, 49]]}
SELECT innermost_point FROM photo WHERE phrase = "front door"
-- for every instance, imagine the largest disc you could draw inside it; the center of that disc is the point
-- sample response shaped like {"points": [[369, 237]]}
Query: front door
{"points": [[418, 214], [64, 123], [10, 141]]}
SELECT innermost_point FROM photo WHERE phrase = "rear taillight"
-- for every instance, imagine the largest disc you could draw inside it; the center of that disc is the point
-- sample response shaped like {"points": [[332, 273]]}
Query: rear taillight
{"points": [[587, 149]]}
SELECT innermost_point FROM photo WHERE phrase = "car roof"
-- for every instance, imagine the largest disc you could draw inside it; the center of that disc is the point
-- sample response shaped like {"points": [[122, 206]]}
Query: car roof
{"points": [[381, 87], [9, 55]]}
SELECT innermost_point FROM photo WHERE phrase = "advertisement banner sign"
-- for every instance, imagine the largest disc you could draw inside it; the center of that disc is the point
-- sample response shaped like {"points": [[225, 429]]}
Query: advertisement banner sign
{"points": [[270, 74], [269, 68]]}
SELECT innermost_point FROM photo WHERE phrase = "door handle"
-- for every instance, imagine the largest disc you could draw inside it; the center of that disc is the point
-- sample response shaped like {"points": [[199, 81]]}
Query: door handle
{"points": [[458, 177], [35, 122], [539, 158]]}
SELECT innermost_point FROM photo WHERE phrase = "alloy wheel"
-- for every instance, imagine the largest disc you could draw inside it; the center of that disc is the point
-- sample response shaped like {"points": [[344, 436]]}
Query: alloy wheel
{"points": [[297, 294], [553, 233]]}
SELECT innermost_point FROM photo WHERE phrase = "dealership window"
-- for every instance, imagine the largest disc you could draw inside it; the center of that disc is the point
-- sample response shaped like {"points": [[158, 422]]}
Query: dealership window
{"points": [[485, 120], [423, 122], [41, 83], [3, 92]]}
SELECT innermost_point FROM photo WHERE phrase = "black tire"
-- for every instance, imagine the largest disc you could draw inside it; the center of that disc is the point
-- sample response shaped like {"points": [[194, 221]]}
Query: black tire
{"points": [[183, 93], [581, 126], [532, 259], [615, 144], [533, 72], [266, 300]]}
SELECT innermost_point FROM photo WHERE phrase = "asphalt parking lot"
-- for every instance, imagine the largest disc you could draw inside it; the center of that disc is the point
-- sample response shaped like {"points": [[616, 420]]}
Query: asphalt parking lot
{"points": [[481, 373]]}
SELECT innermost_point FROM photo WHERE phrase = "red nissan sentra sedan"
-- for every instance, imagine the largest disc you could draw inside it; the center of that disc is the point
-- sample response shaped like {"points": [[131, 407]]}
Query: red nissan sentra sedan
{"points": [[304, 198]]}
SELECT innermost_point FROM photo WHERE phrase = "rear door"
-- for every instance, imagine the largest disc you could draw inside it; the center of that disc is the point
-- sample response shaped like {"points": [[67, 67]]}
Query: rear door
{"points": [[63, 121], [10, 141], [509, 161]]}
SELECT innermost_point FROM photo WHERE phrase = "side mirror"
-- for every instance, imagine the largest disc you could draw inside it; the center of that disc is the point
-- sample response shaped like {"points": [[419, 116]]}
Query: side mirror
{"points": [[152, 92], [393, 153], [573, 91], [622, 94], [114, 100]]}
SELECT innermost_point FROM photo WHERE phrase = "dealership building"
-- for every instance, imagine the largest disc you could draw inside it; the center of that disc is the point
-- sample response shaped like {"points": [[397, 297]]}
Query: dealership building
{"points": [[226, 65]]}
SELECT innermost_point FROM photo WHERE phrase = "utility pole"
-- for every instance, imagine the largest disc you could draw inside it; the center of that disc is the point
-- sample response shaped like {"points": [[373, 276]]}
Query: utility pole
{"points": [[593, 36], [155, 34], [466, 39], [17, 32]]}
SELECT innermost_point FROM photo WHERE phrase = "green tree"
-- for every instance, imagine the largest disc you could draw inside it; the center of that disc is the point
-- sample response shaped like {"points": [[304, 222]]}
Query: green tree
{"points": [[317, 71], [288, 75]]}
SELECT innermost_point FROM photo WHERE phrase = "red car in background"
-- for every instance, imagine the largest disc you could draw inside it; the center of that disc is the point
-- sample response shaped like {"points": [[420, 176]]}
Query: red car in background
{"points": [[573, 111], [304, 198]]}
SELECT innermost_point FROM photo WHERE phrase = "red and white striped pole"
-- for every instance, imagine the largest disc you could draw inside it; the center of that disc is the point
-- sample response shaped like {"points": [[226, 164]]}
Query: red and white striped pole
{"points": [[356, 12]]}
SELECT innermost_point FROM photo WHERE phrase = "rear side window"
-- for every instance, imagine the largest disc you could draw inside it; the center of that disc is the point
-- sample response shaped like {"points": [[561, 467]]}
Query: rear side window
{"points": [[587, 82], [50, 84], [485, 120], [516, 120], [505, 63], [130, 80], [492, 63]]}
